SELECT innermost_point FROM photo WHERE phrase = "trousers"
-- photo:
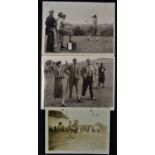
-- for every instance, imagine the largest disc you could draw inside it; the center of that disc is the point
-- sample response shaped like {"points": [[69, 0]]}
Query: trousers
{"points": [[73, 82], [88, 82]]}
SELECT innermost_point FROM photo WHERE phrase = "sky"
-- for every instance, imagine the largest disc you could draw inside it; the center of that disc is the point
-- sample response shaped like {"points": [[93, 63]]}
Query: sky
{"points": [[88, 116], [80, 13]]}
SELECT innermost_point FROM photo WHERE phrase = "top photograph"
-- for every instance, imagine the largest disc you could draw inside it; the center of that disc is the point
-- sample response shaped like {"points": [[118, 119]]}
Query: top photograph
{"points": [[78, 27]]}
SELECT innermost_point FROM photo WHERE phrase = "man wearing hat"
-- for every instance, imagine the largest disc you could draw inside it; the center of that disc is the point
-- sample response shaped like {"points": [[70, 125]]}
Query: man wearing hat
{"points": [[49, 31], [59, 17], [60, 27], [62, 31], [87, 73]]}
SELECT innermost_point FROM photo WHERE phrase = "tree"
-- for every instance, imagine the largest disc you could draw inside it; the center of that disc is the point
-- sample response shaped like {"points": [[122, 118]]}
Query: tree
{"points": [[77, 31], [107, 31]]}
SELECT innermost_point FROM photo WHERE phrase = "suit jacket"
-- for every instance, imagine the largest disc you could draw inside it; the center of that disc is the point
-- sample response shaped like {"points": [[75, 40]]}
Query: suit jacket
{"points": [[50, 24], [73, 72]]}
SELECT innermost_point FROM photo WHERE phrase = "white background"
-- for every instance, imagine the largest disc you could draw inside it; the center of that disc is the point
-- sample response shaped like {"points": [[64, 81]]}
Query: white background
{"points": [[19, 77]]}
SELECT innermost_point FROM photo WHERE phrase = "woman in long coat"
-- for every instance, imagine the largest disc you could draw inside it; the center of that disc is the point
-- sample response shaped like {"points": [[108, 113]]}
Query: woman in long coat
{"points": [[101, 75], [58, 84]]}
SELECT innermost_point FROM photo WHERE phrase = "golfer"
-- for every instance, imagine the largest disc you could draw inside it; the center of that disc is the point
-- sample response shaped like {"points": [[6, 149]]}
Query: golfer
{"points": [[93, 27]]}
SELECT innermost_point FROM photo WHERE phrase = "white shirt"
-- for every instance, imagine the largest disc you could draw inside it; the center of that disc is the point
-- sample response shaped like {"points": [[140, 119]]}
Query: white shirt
{"points": [[94, 20], [90, 70], [60, 24]]}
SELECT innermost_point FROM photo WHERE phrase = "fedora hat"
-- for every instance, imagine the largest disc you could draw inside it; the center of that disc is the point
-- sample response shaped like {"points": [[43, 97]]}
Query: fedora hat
{"points": [[60, 14]]}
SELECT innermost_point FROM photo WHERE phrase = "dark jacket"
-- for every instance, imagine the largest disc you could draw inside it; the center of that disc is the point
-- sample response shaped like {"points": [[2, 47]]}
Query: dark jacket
{"points": [[50, 24]]}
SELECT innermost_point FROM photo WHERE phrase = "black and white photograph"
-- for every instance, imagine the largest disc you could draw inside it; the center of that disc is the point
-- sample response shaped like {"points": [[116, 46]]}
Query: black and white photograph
{"points": [[78, 81], [78, 27], [77, 131]]}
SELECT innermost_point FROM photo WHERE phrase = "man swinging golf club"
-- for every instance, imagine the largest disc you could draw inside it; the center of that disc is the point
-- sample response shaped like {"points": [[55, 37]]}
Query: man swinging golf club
{"points": [[93, 28]]}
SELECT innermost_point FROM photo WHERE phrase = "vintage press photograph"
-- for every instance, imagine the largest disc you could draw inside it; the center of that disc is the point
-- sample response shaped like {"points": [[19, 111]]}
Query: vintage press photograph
{"points": [[78, 81], [77, 131], [78, 27]]}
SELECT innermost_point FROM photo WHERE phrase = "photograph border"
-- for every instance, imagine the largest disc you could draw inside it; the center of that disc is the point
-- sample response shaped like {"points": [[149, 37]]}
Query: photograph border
{"points": [[41, 113], [70, 152], [104, 56], [71, 53]]}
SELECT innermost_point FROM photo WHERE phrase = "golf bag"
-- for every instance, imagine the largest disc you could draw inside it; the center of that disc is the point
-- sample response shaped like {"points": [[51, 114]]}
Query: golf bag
{"points": [[71, 45]]}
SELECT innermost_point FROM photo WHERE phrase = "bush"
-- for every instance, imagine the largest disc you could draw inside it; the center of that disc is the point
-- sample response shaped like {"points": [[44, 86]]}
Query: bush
{"points": [[108, 31], [77, 31]]}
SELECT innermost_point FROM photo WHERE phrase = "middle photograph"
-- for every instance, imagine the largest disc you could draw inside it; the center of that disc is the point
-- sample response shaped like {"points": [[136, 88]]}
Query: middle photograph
{"points": [[78, 81]]}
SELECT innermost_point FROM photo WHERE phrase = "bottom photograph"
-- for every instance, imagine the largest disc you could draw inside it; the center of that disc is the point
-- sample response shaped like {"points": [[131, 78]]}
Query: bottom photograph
{"points": [[77, 130]]}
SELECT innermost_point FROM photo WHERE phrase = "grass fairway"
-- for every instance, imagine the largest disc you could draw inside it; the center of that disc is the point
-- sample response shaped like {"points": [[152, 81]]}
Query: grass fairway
{"points": [[92, 142], [104, 96], [103, 45]]}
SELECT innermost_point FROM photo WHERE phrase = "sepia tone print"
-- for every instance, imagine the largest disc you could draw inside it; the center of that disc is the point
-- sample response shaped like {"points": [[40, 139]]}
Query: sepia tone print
{"points": [[77, 131], [81, 81], [78, 27]]}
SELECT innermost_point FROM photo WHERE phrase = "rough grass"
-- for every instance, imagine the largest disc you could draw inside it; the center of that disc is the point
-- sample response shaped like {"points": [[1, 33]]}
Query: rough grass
{"points": [[103, 45], [86, 142], [104, 96]]}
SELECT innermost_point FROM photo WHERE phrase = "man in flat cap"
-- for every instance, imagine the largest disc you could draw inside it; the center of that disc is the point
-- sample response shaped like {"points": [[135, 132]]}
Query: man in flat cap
{"points": [[49, 31]]}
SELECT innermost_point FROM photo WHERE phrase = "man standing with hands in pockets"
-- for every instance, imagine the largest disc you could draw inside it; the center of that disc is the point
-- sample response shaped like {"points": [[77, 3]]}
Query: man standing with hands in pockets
{"points": [[87, 73], [73, 73]]}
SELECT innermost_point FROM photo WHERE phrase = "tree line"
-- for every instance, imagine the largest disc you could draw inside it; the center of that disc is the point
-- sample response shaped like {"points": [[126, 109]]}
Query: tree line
{"points": [[103, 30]]}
